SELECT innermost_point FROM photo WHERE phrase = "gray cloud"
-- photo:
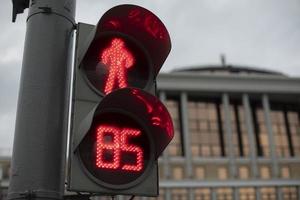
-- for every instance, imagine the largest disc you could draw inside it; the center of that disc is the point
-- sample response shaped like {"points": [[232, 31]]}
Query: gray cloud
{"points": [[250, 32]]}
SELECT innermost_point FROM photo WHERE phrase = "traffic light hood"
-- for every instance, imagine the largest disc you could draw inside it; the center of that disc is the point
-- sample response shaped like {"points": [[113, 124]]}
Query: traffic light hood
{"points": [[141, 25]]}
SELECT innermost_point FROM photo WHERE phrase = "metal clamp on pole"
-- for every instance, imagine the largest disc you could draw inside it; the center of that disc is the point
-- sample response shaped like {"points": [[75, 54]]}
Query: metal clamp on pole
{"points": [[18, 7]]}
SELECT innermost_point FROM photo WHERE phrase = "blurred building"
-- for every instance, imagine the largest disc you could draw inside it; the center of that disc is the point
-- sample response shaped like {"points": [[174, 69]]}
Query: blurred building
{"points": [[237, 135], [5, 158]]}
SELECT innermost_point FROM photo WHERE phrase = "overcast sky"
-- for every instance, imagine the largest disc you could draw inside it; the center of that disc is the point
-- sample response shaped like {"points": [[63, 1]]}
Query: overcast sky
{"points": [[259, 33]]}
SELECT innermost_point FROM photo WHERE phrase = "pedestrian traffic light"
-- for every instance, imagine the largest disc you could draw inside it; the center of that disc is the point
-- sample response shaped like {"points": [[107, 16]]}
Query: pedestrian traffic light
{"points": [[118, 127]]}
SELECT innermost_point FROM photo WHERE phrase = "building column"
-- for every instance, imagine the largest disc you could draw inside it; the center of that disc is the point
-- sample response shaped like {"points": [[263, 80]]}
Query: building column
{"points": [[168, 195], [236, 193], [257, 193], [191, 194], [229, 136], [279, 193], [213, 193], [165, 156], [186, 135], [266, 107], [251, 135]]}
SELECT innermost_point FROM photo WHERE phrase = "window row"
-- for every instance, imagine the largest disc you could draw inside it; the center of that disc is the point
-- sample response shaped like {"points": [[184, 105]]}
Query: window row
{"points": [[207, 128], [221, 172]]}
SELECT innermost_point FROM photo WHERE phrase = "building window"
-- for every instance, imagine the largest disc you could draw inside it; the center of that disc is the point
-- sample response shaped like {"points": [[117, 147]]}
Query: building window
{"points": [[247, 193], [199, 172], [285, 172], [224, 194], [294, 170], [240, 141], [286, 129], [280, 133], [294, 126], [261, 134], [204, 129], [179, 194], [175, 147], [244, 172], [222, 173], [177, 172], [268, 193], [265, 172], [202, 194], [289, 193]]}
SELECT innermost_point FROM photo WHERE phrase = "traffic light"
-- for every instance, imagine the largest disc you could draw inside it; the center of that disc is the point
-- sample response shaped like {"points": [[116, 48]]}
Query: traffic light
{"points": [[118, 127]]}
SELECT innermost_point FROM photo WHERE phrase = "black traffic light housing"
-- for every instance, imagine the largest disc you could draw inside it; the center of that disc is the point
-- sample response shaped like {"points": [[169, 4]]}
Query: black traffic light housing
{"points": [[118, 128]]}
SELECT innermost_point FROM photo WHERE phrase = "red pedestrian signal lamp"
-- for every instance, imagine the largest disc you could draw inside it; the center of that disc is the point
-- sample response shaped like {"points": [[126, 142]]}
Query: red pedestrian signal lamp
{"points": [[117, 58], [119, 128]]}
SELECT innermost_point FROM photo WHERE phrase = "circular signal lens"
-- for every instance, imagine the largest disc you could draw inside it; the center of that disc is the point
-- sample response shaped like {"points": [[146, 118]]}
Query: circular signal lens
{"points": [[113, 62]]}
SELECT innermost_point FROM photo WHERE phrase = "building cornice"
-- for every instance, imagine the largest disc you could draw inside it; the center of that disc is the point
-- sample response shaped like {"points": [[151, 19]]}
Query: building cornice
{"points": [[228, 83]]}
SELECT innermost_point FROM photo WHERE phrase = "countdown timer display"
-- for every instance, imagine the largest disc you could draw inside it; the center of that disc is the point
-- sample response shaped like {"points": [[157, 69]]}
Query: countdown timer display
{"points": [[116, 150]]}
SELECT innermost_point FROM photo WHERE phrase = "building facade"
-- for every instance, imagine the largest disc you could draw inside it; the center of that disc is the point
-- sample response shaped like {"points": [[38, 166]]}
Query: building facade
{"points": [[5, 158], [237, 135]]}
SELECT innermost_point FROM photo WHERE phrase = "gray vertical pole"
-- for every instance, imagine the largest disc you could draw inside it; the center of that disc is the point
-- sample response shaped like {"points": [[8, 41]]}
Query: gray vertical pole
{"points": [[168, 194], [279, 193], [229, 137], [236, 195], [213, 193], [257, 193], [250, 131], [186, 136], [191, 193], [165, 157], [39, 151], [266, 107]]}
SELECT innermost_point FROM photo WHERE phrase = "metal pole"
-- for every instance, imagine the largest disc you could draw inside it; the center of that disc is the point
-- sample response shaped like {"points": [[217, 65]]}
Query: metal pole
{"points": [[39, 151]]}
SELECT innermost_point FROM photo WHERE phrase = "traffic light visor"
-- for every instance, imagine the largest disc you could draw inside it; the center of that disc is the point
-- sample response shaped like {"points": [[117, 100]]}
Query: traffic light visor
{"points": [[141, 25]]}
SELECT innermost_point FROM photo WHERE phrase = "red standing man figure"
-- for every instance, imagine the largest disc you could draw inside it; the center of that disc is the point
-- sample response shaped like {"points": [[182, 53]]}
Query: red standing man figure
{"points": [[118, 59]]}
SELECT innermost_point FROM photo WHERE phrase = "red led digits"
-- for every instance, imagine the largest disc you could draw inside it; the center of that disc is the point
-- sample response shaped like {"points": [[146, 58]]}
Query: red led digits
{"points": [[118, 144], [132, 148], [117, 58], [108, 146]]}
